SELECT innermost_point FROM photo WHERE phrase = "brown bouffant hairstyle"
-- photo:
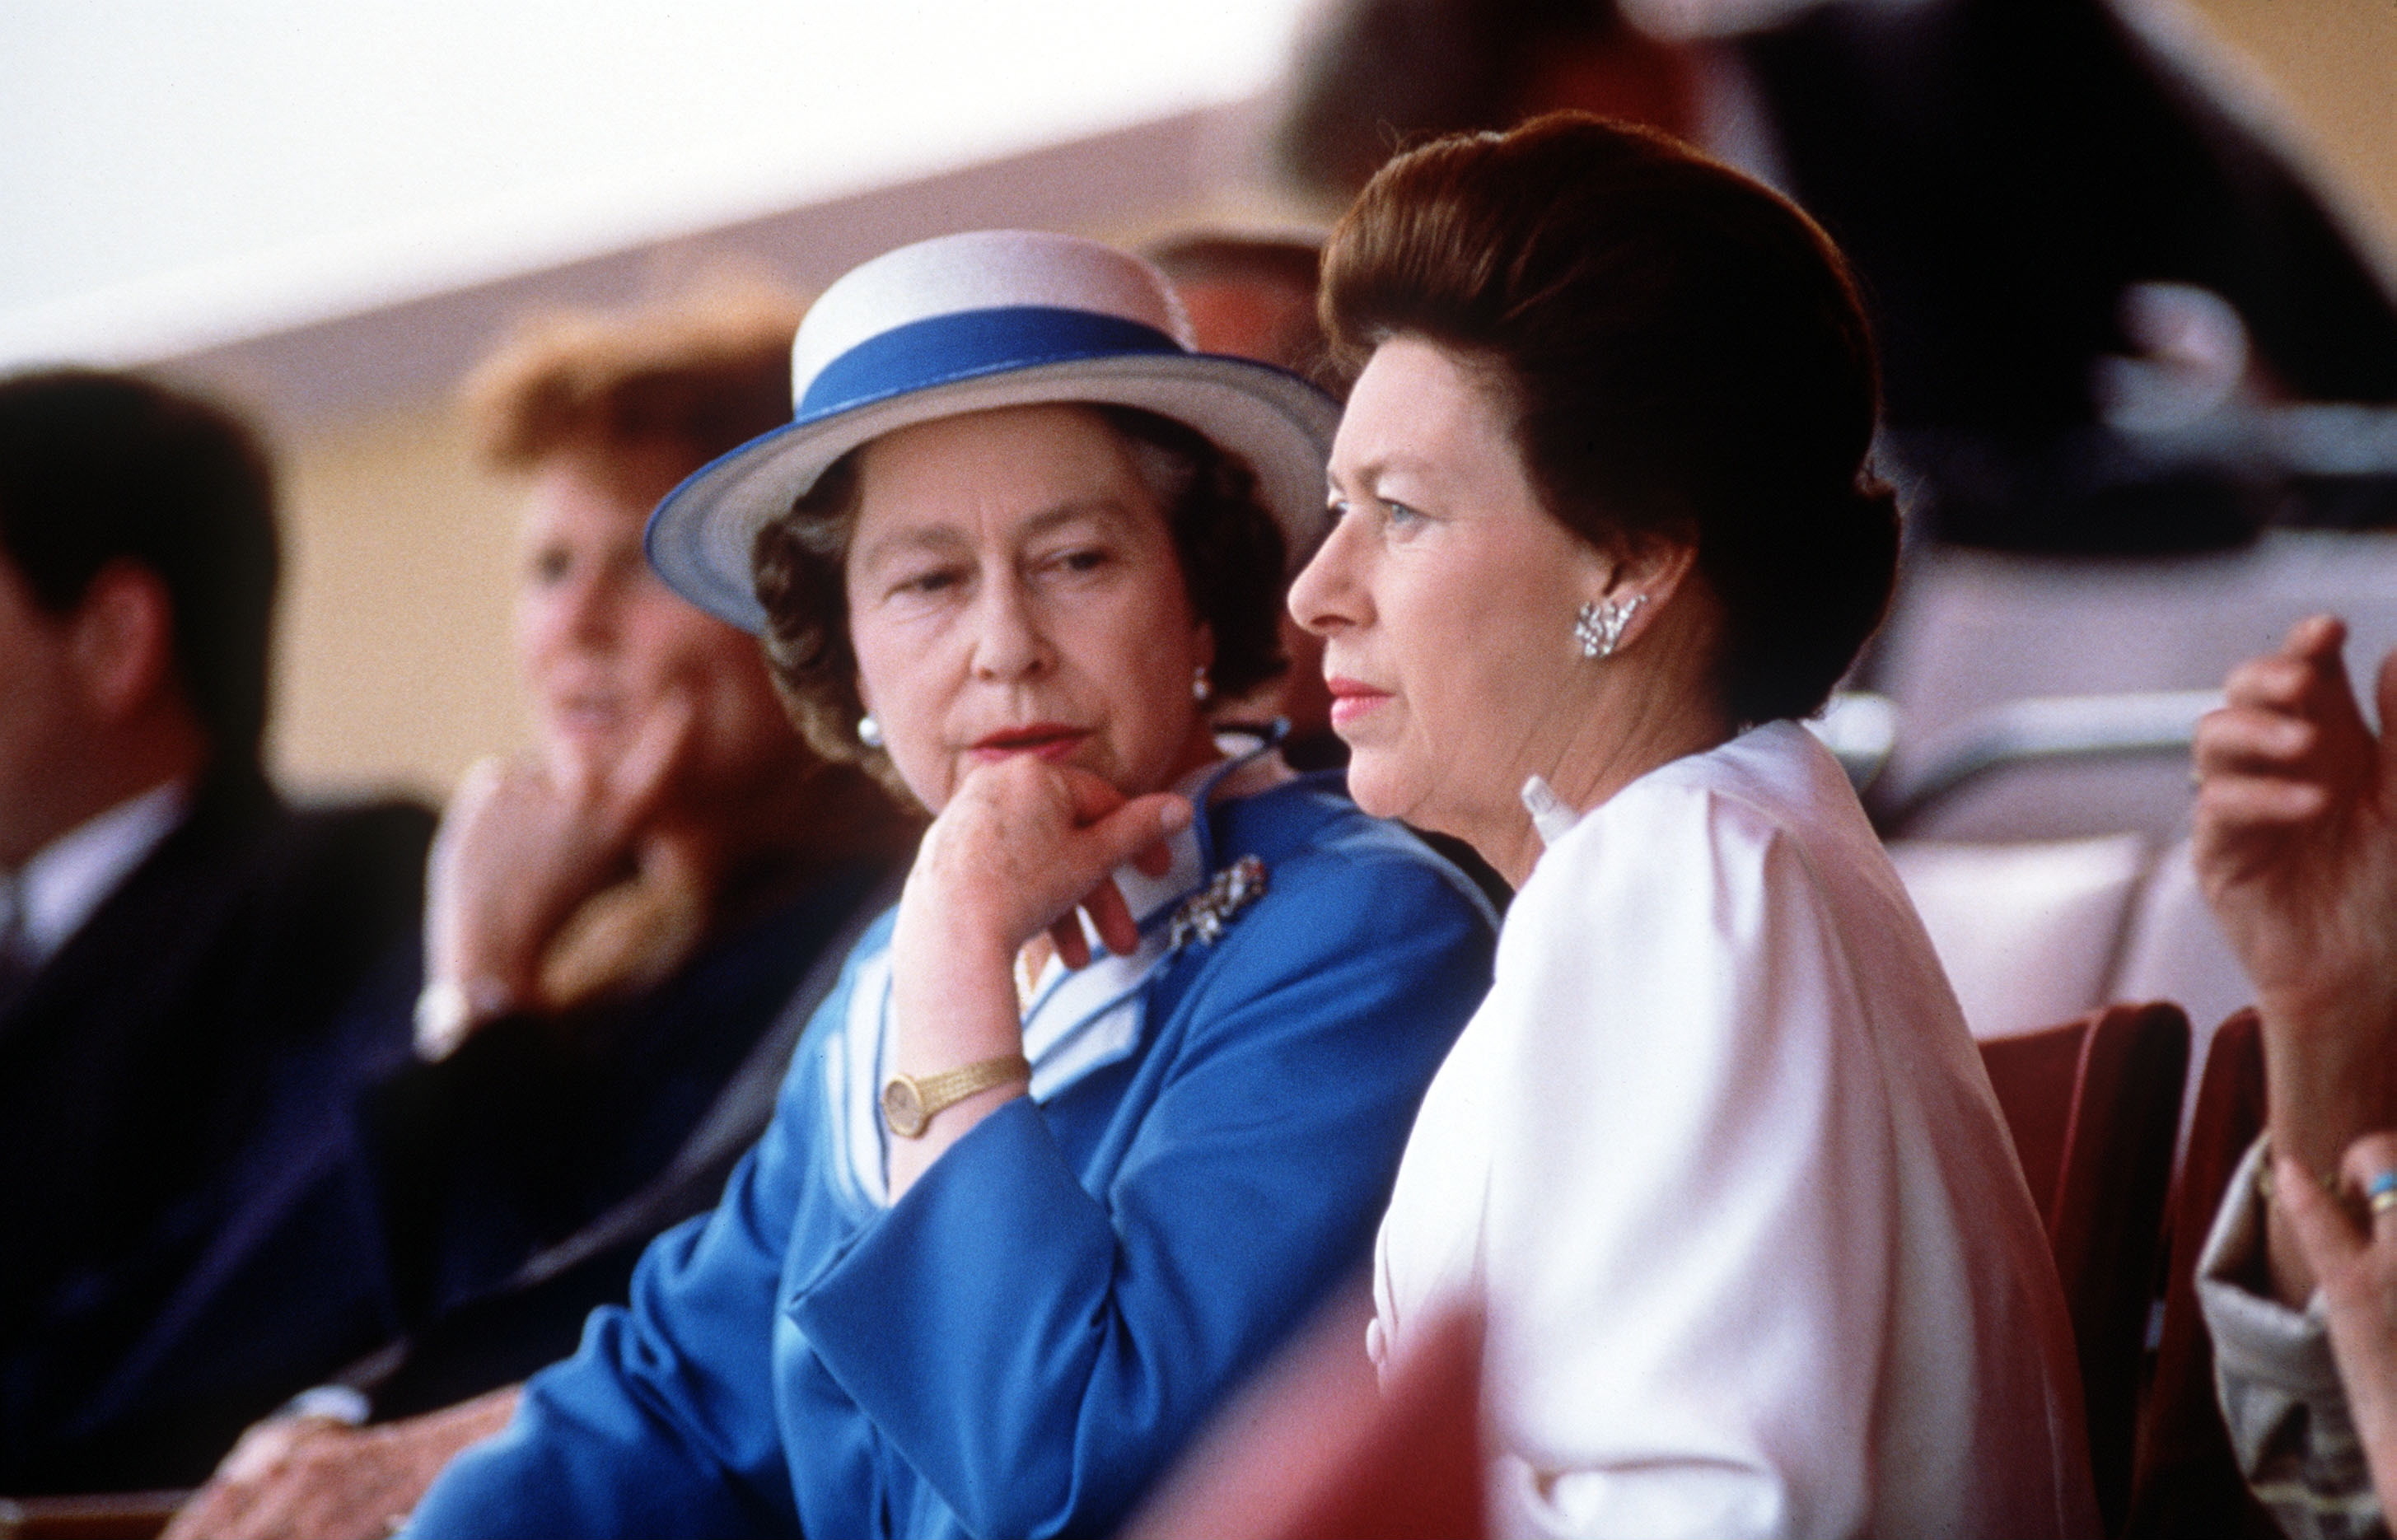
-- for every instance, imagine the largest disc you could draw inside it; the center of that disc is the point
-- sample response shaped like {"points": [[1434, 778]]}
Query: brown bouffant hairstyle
{"points": [[704, 372], [1681, 353], [1231, 551]]}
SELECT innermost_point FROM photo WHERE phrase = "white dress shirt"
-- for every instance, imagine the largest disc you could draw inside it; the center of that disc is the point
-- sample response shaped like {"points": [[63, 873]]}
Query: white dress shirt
{"points": [[1721, 1163], [54, 892]]}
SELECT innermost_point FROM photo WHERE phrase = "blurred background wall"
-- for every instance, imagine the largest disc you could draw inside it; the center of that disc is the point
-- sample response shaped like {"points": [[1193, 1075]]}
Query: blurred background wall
{"points": [[393, 665]]}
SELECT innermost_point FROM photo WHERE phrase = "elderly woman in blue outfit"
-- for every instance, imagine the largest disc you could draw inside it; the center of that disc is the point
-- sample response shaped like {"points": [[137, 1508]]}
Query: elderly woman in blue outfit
{"points": [[1119, 1086]]}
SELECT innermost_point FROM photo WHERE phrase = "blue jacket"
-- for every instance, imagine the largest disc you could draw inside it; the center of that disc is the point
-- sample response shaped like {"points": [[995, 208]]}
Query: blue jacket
{"points": [[1023, 1341]]}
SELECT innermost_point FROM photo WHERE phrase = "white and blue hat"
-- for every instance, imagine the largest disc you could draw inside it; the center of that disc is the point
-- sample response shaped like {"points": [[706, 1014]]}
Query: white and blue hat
{"points": [[967, 322]]}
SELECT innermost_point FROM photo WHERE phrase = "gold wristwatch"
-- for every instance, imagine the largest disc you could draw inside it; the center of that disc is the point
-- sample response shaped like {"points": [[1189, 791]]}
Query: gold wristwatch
{"points": [[909, 1102]]}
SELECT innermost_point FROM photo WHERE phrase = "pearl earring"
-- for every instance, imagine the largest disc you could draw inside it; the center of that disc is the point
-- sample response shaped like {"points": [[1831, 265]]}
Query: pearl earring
{"points": [[869, 732], [1202, 690], [1598, 627]]}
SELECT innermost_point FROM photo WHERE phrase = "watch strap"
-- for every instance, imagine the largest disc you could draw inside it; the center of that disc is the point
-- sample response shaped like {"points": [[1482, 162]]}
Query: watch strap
{"points": [[910, 1101]]}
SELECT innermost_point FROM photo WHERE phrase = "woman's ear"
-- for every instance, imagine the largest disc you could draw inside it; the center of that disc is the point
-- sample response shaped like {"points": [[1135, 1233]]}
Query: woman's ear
{"points": [[1637, 576]]}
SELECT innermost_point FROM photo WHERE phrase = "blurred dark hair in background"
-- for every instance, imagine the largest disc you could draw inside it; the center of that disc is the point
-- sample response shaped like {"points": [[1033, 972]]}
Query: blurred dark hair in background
{"points": [[2097, 287]]}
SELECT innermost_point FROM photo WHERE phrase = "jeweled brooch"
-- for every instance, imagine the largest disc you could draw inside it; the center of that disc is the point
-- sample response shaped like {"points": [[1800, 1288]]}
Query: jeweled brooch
{"points": [[1204, 914]]}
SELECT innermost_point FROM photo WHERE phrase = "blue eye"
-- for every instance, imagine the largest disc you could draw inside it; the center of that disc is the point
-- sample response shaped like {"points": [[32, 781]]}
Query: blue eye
{"points": [[1398, 513]]}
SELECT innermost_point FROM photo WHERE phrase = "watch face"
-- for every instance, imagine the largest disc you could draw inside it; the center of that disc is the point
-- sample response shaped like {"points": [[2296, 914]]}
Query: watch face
{"points": [[901, 1108]]}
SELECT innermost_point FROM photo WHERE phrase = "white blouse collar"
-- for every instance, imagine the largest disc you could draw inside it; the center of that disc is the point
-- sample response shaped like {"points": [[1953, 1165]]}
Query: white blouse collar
{"points": [[1550, 815]]}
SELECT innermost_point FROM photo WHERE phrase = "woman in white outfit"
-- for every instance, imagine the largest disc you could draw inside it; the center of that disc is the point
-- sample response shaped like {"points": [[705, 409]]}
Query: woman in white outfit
{"points": [[1717, 1158]]}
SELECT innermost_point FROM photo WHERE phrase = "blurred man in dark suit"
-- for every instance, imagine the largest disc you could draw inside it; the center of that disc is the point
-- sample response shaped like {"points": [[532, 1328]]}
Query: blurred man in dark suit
{"points": [[174, 941]]}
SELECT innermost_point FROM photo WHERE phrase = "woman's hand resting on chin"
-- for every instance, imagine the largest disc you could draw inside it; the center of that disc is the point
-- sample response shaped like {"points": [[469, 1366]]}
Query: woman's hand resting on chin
{"points": [[1021, 848]]}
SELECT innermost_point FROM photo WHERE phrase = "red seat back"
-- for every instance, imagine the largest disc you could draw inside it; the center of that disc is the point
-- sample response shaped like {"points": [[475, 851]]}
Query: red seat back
{"points": [[2188, 1482], [2093, 1106], [1316, 1452]]}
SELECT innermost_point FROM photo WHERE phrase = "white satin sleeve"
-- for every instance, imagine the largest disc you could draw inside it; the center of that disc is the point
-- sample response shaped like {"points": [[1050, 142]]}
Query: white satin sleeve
{"points": [[1691, 1209]]}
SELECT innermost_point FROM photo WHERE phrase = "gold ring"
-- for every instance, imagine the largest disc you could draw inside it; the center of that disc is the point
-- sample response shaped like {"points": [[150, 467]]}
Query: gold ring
{"points": [[2382, 1203]]}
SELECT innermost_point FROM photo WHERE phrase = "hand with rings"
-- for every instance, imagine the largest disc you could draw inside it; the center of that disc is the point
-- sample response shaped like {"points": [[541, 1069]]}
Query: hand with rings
{"points": [[2356, 1267]]}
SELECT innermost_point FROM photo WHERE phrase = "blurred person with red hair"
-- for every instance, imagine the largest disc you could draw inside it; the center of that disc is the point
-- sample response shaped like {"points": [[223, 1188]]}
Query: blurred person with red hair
{"points": [[625, 929]]}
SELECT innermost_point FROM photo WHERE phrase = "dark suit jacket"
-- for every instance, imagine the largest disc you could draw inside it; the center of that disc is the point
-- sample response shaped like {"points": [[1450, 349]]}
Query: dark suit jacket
{"points": [[137, 1070], [518, 1183], [427, 1232]]}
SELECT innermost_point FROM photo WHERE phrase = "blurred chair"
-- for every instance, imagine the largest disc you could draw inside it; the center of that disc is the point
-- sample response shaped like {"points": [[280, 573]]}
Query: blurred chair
{"points": [[2049, 767], [2038, 694], [2187, 1484], [2092, 1106], [2176, 951], [107, 1516], [1972, 630], [1313, 1450], [2028, 932]]}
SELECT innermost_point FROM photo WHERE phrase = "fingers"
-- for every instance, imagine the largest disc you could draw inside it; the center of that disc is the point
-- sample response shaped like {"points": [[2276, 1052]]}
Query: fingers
{"points": [[2252, 803], [1132, 829], [1154, 859], [2370, 1164], [2289, 745], [1073, 947], [2253, 738], [2305, 672], [571, 767], [2325, 1234], [1135, 831], [478, 785], [1149, 820], [2316, 637], [1091, 797], [1034, 844], [1111, 918], [637, 783]]}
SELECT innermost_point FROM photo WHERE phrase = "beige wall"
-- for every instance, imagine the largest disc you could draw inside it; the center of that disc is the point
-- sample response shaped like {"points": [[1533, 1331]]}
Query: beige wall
{"points": [[394, 668], [2333, 65]]}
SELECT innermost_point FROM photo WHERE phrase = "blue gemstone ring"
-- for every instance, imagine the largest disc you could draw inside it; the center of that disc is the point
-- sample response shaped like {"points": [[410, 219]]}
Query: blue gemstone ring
{"points": [[2380, 1193]]}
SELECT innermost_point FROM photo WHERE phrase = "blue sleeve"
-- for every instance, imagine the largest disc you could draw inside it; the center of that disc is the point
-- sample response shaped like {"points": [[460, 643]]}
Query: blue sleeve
{"points": [[1038, 1352], [662, 1423]]}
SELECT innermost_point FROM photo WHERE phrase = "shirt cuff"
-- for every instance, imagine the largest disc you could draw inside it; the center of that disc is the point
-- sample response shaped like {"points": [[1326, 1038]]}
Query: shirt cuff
{"points": [[2269, 1360]]}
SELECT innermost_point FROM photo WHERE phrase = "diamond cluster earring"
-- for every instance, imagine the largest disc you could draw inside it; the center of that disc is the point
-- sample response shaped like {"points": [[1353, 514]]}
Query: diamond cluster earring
{"points": [[1598, 627]]}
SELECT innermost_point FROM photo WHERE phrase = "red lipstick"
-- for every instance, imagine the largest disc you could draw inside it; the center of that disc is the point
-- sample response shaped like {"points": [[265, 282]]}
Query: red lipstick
{"points": [[1050, 741]]}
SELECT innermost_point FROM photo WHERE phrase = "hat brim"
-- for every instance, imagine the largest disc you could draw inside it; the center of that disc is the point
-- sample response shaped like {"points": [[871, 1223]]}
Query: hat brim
{"points": [[701, 538]]}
